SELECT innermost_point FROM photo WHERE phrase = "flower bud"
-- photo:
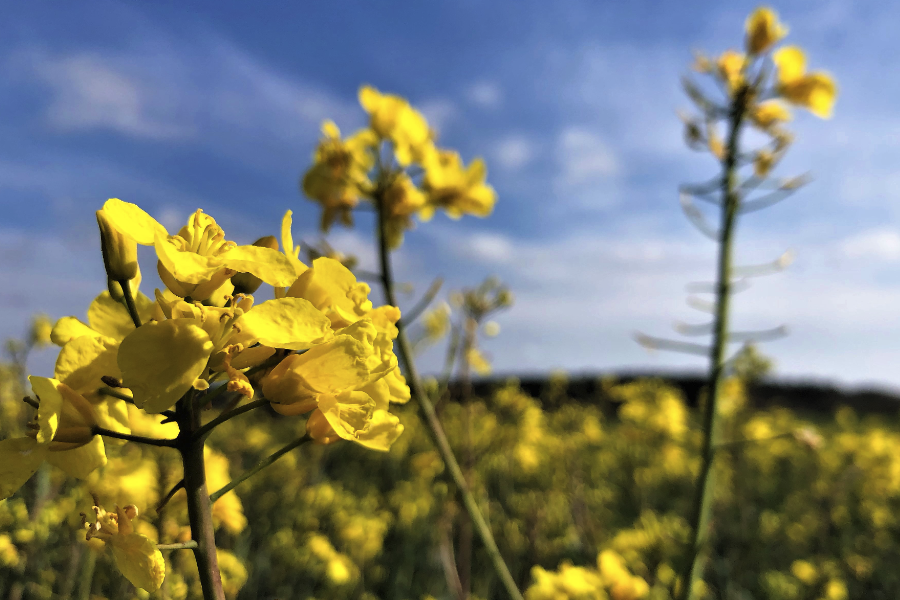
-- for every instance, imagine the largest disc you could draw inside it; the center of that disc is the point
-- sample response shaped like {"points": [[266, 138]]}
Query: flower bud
{"points": [[245, 283], [119, 250]]}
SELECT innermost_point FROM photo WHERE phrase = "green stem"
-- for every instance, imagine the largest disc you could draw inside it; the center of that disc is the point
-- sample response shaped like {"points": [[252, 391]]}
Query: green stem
{"points": [[703, 501], [198, 504], [134, 438], [259, 467], [129, 303], [434, 425], [201, 433], [189, 545]]}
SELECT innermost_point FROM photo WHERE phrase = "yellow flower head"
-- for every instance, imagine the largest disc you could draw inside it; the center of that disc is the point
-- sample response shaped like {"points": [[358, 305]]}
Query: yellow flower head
{"points": [[763, 163], [199, 260], [814, 91], [763, 30], [769, 113], [730, 68], [136, 556], [456, 189], [332, 288], [338, 177], [392, 118]]}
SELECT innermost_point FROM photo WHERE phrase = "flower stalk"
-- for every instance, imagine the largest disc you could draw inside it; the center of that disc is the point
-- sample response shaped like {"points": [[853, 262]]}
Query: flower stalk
{"points": [[705, 489], [436, 431]]}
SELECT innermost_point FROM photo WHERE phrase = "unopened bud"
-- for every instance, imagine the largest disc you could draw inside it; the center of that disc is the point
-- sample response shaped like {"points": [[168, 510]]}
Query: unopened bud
{"points": [[245, 283], [119, 250]]}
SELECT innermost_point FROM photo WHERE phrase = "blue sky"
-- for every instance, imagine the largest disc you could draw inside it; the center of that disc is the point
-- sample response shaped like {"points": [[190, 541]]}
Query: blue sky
{"points": [[573, 105]]}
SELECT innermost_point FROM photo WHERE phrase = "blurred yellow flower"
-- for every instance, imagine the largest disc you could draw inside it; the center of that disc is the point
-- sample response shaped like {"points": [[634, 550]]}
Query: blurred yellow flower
{"points": [[814, 91], [392, 118], [730, 67], [448, 184], [768, 113], [338, 177], [763, 30]]}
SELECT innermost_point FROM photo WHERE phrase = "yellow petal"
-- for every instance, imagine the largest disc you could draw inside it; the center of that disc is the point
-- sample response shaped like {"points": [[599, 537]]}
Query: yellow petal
{"points": [[131, 220], [186, 267], [271, 266], [79, 462], [348, 413], [19, 459], [383, 430], [790, 62], [763, 30], [83, 361], [50, 409], [291, 323], [69, 328], [139, 560], [160, 361], [109, 317]]}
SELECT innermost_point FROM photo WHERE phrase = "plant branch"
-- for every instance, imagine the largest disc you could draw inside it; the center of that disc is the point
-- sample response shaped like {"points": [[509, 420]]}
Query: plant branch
{"points": [[416, 311], [134, 438], [203, 431], [129, 302], [258, 467], [169, 495], [189, 545], [434, 426]]}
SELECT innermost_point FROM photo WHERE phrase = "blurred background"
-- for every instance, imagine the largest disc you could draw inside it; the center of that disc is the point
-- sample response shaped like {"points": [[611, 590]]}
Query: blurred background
{"points": [[175, 106]]}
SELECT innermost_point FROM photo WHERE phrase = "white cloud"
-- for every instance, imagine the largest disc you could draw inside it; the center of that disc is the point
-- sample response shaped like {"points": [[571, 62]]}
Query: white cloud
{"points": [[91, 93], [514, 152], [584, 156], [485, 94], [877, 244]]}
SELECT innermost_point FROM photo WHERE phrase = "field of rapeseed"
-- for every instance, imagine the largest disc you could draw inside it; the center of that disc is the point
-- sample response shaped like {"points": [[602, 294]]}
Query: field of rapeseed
{"points": [[200, 442]]}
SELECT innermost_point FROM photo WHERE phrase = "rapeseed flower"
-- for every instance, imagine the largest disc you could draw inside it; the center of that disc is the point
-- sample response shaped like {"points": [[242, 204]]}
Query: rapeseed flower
{"points": [[763, 30], [814, 91]]}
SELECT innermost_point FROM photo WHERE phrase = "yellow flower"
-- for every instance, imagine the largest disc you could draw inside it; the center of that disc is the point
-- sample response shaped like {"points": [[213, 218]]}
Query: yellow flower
{"points": [[763, 30], [199, 260], [162, 360], [814, 91], [769, 113], [343, 380], [392, 118], [136, 556], [338, 177], [478, 362], [730, 68], [402, 199], [333, 289], [456, 189], [61, 435]]}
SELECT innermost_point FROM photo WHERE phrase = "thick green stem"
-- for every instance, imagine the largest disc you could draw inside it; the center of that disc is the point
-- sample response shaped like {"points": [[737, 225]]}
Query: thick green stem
{"points": [[199, 506], [703, 501], [433, 424]]}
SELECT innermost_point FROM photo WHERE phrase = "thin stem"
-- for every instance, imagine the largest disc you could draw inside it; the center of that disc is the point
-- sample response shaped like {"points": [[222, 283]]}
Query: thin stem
{"points": [[434, 425], [189, 545], [201, 433], [258, 467], [31, 402], [702, 508], [108, 391], [168, 496], [416, 311], [134, 438], [129, 302]]}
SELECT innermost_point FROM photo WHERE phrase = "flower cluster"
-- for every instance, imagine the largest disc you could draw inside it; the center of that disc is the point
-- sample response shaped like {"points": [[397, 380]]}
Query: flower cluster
{"points": [[762, 82], [395, 164], [318, 347]]}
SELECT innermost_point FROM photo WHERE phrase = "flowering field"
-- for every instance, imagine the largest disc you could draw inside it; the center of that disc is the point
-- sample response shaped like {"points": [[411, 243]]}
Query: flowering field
{"points": [[256, 427]]}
